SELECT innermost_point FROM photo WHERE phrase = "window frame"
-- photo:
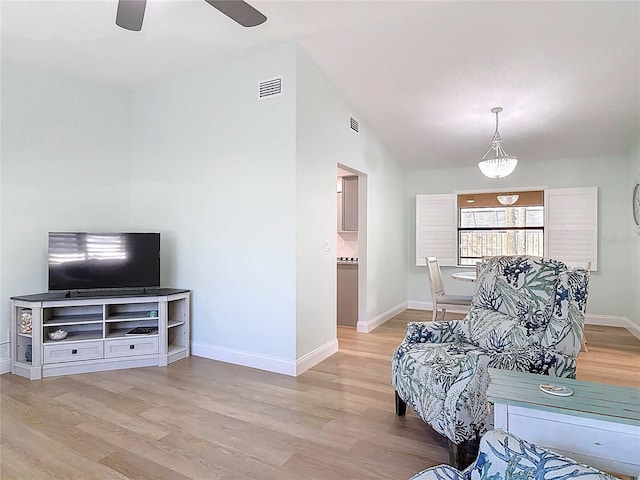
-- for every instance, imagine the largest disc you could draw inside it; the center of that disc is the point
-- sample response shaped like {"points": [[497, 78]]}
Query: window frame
{"points": [[488, 201]]}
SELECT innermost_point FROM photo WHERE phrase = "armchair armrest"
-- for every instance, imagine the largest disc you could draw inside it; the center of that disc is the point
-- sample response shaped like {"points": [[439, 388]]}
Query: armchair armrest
{"points": [[434, 332], [450, 397]]}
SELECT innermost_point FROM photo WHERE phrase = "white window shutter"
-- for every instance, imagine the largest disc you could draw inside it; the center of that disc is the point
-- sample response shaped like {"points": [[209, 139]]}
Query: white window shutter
{"points": [[436, 229], [571, 225]]}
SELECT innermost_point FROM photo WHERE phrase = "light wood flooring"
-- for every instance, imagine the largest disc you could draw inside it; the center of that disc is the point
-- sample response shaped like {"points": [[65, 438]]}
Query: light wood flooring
{"points": [[202, 419]]}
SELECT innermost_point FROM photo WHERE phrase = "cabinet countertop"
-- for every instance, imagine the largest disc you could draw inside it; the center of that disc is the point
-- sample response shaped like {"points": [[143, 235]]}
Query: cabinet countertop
{"points": [[347, 260], [130, 292]]}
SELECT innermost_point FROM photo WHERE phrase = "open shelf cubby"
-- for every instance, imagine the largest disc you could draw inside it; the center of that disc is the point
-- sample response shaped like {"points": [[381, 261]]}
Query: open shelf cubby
{"points": [[131, 311]]}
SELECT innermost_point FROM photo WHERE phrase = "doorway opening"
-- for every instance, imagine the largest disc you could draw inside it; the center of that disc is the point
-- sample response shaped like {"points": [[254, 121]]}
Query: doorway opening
{"points": [[351, 247]]}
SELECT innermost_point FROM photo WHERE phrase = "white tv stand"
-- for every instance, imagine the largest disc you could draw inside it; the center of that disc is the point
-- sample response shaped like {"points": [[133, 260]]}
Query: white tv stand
{"points": [[98, 326]]}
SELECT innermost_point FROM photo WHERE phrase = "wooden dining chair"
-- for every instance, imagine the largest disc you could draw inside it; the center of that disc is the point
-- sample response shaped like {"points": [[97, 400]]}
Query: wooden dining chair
{"points": [[440, 300]]}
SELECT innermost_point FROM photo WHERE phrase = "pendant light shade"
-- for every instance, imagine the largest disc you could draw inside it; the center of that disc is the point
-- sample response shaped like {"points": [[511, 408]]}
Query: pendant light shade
{"points": [[507, 199], [497, 163]]}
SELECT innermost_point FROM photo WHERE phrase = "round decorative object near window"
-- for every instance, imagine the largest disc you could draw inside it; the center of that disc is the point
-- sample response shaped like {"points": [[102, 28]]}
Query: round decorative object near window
{"points": [[635, 206]]}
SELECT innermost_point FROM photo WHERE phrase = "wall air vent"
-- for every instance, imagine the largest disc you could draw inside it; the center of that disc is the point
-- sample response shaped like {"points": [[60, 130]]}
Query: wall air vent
{"points": [[354, 124], [270, 88]]}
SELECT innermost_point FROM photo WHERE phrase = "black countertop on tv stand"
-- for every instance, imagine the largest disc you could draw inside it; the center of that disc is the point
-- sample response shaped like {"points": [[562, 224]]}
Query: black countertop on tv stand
{"points": [[94, 294]]}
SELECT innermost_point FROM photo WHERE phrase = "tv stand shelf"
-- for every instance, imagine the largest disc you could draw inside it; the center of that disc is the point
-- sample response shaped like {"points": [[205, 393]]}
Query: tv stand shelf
{"points": [[98, 326]]}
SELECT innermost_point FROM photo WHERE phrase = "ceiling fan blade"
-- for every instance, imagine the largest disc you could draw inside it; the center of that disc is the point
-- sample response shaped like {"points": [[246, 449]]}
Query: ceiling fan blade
{"points": [[239, 11], [130, 14]]}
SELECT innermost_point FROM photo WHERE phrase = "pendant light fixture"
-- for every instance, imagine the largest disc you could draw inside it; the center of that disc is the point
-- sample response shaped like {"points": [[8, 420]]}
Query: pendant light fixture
{"points": [[508, 199], [497, 163]]}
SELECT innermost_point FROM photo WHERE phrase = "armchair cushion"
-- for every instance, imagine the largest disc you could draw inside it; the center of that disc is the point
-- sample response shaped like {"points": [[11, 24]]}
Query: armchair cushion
{"points": [[495, 330], [434, 332], [535, 360], [514, 301]]}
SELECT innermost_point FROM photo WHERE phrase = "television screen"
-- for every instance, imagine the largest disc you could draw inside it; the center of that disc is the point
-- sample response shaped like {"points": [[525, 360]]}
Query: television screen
{"points": [[81, 260]]}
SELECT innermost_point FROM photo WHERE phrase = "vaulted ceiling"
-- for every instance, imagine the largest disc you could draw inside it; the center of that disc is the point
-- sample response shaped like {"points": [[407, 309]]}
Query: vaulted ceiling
{"points": [[423, 75]]}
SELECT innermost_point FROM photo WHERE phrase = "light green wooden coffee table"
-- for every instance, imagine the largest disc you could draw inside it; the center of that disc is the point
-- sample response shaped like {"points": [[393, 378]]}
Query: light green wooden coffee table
{"points": [[598, 425]]}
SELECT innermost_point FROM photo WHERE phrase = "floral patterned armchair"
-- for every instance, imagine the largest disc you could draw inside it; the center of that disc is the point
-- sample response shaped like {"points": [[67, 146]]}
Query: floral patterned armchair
{"points": [[527, 314], [503, 456]]}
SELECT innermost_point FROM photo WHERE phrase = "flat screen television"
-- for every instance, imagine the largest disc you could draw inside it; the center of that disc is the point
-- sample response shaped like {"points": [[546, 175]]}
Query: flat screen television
{"points": [[88, 261]]}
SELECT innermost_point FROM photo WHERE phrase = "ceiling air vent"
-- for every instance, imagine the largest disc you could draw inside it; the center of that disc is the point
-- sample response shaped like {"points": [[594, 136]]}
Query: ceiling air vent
{"points": [[354, 124], [270, 88]]}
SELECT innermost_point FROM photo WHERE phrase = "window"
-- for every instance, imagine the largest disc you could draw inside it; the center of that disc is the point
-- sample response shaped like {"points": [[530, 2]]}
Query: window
{"points": [[559, 223], [488, 228]]}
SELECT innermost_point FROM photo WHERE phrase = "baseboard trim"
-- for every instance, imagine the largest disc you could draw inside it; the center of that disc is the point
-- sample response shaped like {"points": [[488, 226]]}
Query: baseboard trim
{"points": [[373, 323], [244, 358], [5, 365], [313, 358], [605, 320], [413, 305], [633, 328], [613, 321], [5, 357], [265, 362]]}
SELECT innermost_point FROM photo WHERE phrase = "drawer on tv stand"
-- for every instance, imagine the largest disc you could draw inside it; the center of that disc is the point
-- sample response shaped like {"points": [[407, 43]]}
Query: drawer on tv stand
{"points": [[130, 346], [73, 351]]}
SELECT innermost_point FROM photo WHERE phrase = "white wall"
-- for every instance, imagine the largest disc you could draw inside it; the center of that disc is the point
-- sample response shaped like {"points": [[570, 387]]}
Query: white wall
{"points": [[243, 215], [318, 139], [633, 300], [214, 171], [324, 140], [607, 294], [64, 167]]}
